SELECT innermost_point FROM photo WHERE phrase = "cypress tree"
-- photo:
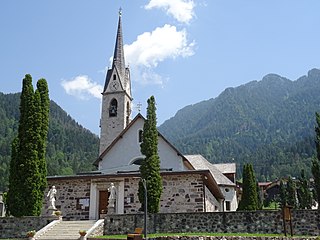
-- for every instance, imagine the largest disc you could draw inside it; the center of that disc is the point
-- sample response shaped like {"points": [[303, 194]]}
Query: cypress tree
{"points": [[291, 193], [315, 168], [42, 88], [14, 196], [259, 196], [283, 194], [150, 166], [249, 198], [26, 182], [303, 192]]}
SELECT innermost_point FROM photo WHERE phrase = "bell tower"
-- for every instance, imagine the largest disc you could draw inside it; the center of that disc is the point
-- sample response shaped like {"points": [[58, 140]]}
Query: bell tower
{"points": [[116, 96]]}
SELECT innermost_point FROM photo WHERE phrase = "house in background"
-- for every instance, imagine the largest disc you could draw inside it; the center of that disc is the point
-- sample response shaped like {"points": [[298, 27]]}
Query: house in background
{"points": [[190, 183]]}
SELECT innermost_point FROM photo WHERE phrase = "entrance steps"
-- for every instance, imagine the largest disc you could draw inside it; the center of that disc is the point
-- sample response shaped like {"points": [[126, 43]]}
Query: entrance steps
{"points": [[65, 230]]}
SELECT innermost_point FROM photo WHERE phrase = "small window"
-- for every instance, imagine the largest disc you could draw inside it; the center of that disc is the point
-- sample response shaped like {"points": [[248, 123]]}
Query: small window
{"points": [[140, 136], [228, 206], [113, 108], [128, 114], [114, 77], [137, 161], [226, 189]]}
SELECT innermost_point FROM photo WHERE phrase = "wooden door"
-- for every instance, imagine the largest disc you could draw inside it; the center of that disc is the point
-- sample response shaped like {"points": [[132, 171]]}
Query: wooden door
{"points": [[103, 202]]}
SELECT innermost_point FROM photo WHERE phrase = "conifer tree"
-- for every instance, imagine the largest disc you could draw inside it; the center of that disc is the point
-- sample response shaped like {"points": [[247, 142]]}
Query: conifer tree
{"points": [[249, 198], [259, 197], [291, 193], [150, 166], [42, 88], [283, 194], [303, 192], [26, 183], [315, 168]]}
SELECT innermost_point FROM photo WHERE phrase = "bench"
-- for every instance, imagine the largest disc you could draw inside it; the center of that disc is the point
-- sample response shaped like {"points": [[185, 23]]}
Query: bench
{"points": [[137, 235]]}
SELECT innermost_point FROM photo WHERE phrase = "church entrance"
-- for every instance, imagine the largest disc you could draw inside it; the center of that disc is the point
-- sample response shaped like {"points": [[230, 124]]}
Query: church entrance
{"points": [[103, 203]]}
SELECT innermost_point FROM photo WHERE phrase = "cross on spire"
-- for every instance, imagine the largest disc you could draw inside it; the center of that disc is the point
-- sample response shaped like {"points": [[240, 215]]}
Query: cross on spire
{"points": [[139, 105]]}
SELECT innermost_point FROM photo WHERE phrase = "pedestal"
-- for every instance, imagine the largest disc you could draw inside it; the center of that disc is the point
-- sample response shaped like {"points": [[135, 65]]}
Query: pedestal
{"points": [[111, 206], [111, 210]]}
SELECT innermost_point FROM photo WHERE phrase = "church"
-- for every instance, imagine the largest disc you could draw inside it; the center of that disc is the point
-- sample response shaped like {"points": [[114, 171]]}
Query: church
{"points": [[190, 182]]}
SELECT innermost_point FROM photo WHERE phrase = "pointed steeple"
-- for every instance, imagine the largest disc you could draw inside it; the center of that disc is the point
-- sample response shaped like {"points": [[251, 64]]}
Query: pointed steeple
{"points": [[116, 96], [118, 56]]}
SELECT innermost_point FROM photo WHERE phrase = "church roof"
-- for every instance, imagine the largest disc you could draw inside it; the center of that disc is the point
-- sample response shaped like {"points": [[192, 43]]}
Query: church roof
{"points": [[199, 162]]}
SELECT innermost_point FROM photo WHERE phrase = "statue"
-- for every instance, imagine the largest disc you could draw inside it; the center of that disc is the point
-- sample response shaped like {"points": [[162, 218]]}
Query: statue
{"points": [[112, 195], [51, 195]]}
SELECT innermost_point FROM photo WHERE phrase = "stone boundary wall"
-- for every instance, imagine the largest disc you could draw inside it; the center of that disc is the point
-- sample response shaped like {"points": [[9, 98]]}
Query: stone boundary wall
{"points": [[13, 227], [219, 238], [229, 238], [305, 222]]}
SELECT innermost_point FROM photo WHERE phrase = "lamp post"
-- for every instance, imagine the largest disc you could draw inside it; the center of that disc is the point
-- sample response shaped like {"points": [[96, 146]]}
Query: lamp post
{"points": [[144, 182]]}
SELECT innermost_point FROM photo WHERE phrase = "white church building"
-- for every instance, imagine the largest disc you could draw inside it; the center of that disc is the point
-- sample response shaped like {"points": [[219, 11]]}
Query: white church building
{"points": [[190, 182]]}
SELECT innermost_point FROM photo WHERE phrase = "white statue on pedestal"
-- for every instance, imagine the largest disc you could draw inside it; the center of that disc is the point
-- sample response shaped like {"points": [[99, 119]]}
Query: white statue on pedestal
{"points": [[112, 195], [51, 195]]}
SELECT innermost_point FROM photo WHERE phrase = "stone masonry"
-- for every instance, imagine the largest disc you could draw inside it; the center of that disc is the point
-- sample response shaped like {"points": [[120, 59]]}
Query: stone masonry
{"points": [[181, 193], [11, 227], [305, 222], [72, 196]]}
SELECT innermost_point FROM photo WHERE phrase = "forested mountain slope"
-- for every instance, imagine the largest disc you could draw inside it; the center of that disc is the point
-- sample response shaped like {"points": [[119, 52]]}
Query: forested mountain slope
{"points": [[269, 123], [71, 148]]}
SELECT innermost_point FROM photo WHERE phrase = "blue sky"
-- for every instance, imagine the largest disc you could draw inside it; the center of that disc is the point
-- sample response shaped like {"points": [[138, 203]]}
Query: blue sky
{"points": [[180, 51]]}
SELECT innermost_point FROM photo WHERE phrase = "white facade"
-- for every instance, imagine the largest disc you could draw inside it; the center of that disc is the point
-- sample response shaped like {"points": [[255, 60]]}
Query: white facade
{"points": [[126, 149], [230, 195]]}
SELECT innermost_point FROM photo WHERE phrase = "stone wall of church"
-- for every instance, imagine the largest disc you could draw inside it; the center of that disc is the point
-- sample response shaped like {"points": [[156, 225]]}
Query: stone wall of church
{"points": [[181, 193], [305, 222], [131, 200], [72, 198]]}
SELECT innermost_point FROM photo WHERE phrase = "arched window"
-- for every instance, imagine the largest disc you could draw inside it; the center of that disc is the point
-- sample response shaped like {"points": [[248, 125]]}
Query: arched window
{"points": [[114, 77], [113, 108], [140, 136]]}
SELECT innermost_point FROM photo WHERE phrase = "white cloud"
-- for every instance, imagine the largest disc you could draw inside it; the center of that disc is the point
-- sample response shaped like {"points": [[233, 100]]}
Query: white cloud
{"points": [[181, 10], [147, 76], [82, 87], [151, 48]]}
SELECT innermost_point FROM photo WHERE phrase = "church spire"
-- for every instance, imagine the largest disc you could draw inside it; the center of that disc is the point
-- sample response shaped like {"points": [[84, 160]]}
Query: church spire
{"points": [[116, 96], [118, 56]]}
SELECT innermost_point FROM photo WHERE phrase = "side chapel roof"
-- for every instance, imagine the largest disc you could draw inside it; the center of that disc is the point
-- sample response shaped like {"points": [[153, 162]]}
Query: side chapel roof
{"points": [[199, 162], [226, 167]]}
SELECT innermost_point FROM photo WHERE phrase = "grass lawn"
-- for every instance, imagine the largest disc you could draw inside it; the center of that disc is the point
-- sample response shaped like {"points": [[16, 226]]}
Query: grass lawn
{"points": [[272, 206], [199, 234]]}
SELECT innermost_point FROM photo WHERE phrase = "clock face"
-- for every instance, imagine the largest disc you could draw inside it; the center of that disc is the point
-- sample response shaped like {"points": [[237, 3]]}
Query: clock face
{"points": [[114, 86]]}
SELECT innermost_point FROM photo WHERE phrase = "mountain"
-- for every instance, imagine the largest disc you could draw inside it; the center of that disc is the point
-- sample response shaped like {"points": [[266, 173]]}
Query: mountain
{"points": [[269, 123], [71, 148]]}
